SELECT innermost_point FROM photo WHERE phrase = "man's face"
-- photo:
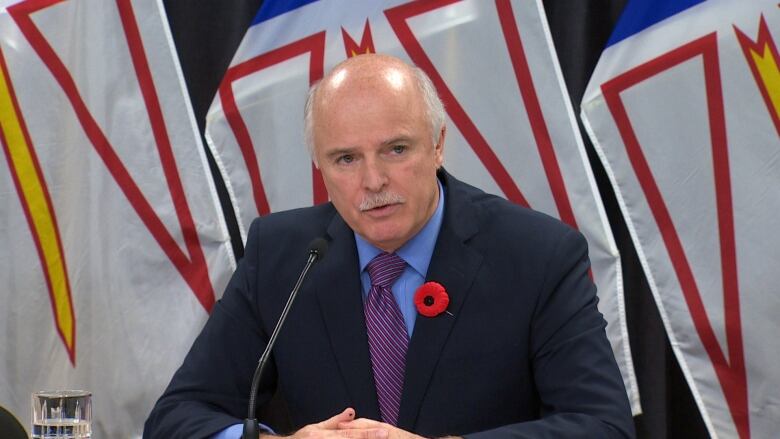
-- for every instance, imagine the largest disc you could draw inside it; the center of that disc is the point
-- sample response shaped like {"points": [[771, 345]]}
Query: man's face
{"points": [[373, 145]]}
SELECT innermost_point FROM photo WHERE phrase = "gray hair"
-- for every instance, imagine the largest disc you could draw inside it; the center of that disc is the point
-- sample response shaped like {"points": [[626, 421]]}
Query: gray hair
{"points": [[434, 109]]}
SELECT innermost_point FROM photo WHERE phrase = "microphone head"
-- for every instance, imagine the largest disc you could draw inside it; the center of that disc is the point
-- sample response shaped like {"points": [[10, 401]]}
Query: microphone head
{"points": [[318, 247]]}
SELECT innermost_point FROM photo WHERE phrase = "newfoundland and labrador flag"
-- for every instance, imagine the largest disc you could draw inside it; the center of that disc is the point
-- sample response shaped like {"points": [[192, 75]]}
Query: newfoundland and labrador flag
{"points": [[114, 246], [511, 130], [683, 110]]}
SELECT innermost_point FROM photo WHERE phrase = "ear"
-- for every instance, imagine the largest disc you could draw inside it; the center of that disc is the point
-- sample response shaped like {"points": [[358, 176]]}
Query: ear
{"points": [[438, 148]]}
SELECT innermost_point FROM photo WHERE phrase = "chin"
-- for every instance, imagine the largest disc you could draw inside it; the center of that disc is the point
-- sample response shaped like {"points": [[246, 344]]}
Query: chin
{"points": [[385, 240]]}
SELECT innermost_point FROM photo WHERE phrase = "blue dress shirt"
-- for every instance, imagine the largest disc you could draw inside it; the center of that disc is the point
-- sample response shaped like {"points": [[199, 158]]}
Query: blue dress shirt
{"points": [[417, 253]]}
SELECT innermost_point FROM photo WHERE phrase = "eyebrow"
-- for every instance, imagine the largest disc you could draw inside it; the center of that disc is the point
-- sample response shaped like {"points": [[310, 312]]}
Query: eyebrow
{"points": [[398, 139]]}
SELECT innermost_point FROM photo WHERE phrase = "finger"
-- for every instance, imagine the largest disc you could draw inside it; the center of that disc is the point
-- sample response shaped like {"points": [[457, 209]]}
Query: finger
{"points": [[333, 423], [362, 423], [371, 433]]}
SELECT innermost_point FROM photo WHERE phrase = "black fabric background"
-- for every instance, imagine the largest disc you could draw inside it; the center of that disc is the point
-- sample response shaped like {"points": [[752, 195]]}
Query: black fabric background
{"points": [[207, 33]]}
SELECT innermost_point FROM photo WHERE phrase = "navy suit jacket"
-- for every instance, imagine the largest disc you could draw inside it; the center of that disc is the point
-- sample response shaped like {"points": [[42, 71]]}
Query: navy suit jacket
{"points": [[523, 353]]}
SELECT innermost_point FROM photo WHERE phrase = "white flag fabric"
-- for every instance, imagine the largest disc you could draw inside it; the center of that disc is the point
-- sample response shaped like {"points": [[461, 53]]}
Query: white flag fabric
{"points": [[511, 128], [683, 110], [114, 244]]}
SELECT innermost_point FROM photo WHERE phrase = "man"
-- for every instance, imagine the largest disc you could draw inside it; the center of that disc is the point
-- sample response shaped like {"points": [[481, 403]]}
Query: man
{"points": [[520, 350]]}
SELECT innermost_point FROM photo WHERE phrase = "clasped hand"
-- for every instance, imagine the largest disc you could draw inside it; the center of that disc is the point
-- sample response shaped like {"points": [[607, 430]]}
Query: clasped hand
{"points": [[344, 425]]}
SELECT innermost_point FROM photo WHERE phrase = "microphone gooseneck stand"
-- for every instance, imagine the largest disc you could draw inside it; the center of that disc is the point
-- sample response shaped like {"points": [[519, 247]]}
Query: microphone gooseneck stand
{"points": [[317, 249]]}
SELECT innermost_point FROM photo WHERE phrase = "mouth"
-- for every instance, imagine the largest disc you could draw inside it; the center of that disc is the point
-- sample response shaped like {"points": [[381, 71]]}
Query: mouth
{"points": [[382, 211]]}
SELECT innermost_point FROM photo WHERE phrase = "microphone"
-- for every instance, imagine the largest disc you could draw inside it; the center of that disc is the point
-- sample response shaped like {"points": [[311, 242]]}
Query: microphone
{"points": [[317, 249]]}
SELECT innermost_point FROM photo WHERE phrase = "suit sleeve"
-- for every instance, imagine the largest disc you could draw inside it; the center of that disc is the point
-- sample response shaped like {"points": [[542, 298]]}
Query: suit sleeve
{"points": [[580, 387], [210, 390]]}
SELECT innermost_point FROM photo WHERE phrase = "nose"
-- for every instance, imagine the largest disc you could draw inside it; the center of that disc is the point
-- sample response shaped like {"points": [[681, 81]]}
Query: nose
{"points": [[374, 176]]}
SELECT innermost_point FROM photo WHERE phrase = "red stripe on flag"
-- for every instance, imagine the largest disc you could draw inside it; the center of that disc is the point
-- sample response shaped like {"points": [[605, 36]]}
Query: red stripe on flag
{"points": [[315, 46], [731, 374], [527, 88], [197, 269], [190, 272], [397, 17]]}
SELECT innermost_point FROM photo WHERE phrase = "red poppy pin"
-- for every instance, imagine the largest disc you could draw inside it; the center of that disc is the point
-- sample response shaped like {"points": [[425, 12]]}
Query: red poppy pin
{"points": [[431, 299]]}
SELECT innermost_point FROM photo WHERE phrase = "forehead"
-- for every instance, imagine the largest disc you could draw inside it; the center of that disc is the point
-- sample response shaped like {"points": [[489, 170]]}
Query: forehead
{"points": [[368, 110]]}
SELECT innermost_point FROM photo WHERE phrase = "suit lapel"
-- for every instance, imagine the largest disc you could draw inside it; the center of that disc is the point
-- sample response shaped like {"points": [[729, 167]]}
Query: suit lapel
{"points": [[341, 301], [453, 265]]}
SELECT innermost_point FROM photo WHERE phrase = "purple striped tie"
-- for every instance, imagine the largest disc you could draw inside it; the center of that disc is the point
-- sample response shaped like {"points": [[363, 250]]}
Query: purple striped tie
{"points": [[387, 336]]}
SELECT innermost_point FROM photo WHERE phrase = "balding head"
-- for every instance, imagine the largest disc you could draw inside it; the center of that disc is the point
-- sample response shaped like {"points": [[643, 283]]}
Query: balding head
{"points": [[372, 74]]}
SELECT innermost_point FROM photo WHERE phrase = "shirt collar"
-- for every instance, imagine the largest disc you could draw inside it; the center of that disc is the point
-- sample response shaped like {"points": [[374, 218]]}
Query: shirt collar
{"points": [[417, 251]]}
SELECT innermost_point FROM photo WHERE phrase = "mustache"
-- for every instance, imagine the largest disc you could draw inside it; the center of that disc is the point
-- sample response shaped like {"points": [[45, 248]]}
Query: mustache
{"points": [[380, 199]]}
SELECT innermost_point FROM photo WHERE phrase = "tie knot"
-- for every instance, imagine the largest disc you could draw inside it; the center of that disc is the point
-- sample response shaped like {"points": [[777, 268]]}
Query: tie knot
{"points": [[385, 269]]}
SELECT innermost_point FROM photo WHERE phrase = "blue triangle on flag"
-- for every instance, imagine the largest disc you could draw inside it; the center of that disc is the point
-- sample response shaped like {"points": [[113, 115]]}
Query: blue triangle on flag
{"points": [[274, 8], [638, 15]]}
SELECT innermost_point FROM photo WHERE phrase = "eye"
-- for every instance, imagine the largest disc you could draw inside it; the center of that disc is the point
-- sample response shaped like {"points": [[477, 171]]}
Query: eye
{"points": [[345, 159], [399, 149]]}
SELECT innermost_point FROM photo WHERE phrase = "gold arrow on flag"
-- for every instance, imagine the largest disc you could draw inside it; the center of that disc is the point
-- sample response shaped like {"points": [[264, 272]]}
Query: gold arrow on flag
{"points": [[35, 200]]}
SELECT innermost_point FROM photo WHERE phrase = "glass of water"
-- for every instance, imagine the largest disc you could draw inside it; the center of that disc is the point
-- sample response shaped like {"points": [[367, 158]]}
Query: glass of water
{"points": [[65, 414]]}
